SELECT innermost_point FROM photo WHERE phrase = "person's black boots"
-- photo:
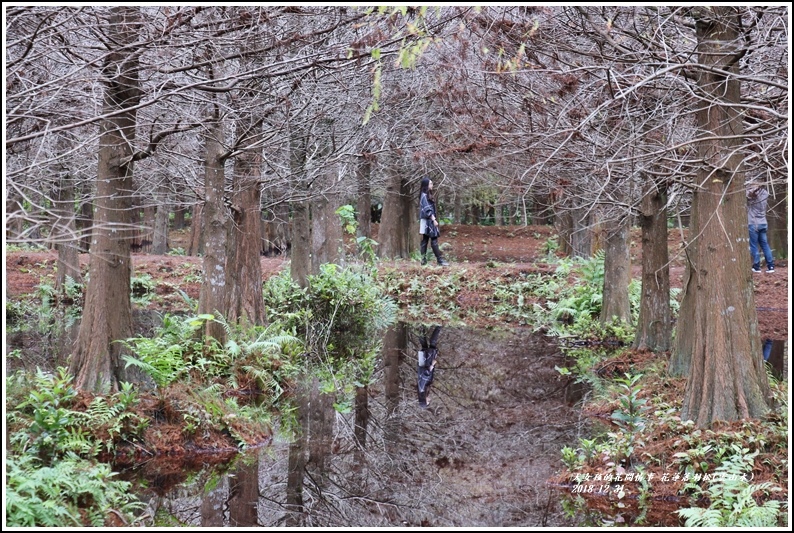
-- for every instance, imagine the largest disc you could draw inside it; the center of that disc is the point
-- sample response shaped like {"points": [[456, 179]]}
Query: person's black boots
{"points": [[424, 259]]}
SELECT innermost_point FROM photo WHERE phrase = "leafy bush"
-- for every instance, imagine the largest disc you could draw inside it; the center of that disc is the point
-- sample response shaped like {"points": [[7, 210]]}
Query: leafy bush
{"points": [[340, 316]]}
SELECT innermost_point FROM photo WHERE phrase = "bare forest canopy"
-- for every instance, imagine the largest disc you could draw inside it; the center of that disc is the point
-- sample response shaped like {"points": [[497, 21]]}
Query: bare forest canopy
{"points": [[527, 107]]}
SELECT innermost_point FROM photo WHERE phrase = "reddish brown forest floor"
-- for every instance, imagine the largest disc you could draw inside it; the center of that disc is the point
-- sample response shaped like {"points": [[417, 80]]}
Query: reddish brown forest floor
{"points": [[486, 252]]}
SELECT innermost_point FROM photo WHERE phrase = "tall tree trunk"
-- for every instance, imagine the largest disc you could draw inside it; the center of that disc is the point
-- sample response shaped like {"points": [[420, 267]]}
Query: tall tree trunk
{"points": [[196, 246], [685, 332], [326, 231], [180, 211], [389, 237], [361, 419], [654, 326], [107, 314], [563, 223], [243, 265], [213, 296], [727, 380], [296, 462], [617, 273], [64, 236], [300, 251], [322, 417], [581, 235], [395, 224], [160, 235], [326, 228]]}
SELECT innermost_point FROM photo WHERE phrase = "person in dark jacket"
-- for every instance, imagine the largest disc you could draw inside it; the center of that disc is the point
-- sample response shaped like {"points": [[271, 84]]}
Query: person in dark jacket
{"points": [[757, 197], [426, 364], [428, 223]]}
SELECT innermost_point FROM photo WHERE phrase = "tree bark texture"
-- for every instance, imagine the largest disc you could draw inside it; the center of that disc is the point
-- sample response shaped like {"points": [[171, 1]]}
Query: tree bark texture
{"points": [[654, 326], [361, 419], [85, 219], [395, 225], [196, 246], [160, 238], [581, 234], [213, 296], [685, 333], [326, 231], [179, 216], [243, 266], [617, 273], [727, 380], [107, 315], [64, 235], [300, 251]]}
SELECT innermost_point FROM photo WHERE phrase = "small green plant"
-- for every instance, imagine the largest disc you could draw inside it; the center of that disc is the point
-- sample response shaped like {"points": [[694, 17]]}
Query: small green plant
{"points": [[630, 414], [51, 425], [570, 458], [588, 447], [551, 246], [176, 251]]}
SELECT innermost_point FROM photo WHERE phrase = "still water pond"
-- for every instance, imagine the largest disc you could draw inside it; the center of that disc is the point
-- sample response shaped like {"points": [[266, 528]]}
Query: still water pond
{"points": [[478, 455]]}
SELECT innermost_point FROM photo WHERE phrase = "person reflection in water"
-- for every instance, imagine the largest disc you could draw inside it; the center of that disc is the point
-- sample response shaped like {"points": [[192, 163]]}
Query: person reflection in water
{"points": [[427, 364]]}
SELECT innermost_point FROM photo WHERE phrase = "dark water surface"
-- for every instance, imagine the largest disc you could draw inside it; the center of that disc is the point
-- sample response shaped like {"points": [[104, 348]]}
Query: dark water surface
{"points": [[479, 455]]}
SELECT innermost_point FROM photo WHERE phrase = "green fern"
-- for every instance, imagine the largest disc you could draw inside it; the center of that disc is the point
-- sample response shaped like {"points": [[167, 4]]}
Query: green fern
{"points": [[732, 498], [62, 495]]}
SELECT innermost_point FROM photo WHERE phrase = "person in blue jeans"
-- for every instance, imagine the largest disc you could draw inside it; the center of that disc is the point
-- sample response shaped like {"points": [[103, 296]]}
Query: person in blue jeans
{"points": [[757, 197]]}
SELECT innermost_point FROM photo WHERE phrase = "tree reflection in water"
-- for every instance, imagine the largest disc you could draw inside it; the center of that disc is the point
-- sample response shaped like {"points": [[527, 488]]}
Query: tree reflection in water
{"points": [[479, 456]]}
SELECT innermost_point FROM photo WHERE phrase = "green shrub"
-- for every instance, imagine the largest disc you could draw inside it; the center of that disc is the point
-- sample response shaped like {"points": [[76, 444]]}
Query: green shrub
{"points": [[340, 316]]}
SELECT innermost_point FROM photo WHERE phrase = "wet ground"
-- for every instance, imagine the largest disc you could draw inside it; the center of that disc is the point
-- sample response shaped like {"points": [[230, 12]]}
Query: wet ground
{"points": [[478, 456]]}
